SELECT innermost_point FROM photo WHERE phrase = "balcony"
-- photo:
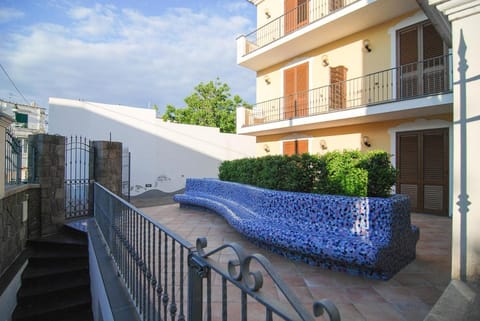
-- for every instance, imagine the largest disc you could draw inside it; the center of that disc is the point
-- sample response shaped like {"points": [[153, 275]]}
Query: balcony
{"points": [[418, 87], [311, 25]]}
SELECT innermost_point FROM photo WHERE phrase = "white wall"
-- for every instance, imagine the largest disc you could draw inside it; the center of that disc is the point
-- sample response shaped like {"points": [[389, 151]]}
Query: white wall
{"points": [[163, 154]]}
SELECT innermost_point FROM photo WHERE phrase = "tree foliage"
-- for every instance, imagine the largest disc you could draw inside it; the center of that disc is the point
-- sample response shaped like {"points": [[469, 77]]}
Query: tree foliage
{"points": [[211, 105]]}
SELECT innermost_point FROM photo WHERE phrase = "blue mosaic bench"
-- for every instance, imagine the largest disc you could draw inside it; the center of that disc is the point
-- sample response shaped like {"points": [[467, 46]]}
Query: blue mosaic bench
{"points": [[367, 236]]}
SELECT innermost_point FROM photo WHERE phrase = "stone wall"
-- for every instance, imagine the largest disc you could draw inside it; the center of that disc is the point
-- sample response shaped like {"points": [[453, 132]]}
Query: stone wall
{"points": [[15, 228], [107, 165], [50, 174]]}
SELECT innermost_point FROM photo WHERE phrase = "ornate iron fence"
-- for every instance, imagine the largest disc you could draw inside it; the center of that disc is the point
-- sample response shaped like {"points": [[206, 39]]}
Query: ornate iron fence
{"points": [[169, 278], [77, 177], [304, 14], [424, 78], [13, 158]]}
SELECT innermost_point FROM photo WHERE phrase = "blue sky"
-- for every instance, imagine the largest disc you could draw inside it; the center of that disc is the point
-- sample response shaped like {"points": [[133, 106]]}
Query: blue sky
{"points": [[134, 52]]}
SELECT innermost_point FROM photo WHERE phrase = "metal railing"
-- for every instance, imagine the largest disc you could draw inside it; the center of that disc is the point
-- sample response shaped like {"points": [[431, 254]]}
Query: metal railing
{"points": [[13, 158], [303, 15], [169, 278], [424, 78]]}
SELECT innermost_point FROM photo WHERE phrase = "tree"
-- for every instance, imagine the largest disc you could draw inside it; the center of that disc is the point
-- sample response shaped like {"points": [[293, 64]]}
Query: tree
{"points": [[210, 105]]}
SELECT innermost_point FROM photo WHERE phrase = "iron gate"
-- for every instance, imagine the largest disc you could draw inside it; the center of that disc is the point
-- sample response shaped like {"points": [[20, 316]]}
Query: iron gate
{"points": [[77, 177]]}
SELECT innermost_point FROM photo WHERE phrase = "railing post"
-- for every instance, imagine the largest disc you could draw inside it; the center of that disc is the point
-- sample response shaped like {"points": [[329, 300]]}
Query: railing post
{"points": [[197, 271], [19, 163]]}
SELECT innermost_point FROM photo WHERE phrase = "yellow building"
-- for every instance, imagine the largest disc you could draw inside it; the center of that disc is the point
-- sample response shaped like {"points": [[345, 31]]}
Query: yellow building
{"points": [[358, 75]]}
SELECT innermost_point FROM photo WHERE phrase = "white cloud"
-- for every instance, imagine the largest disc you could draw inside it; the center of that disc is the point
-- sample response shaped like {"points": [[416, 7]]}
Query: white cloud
{"points": [[236, 5], [122, 56], [9, 14]]}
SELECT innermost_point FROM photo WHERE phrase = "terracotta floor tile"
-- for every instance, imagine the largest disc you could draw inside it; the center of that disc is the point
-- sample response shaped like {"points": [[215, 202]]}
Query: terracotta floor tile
{"points": [[335, 294], [379, 312], [407, 296], [363, 295], [349, 312], [413, 311]]}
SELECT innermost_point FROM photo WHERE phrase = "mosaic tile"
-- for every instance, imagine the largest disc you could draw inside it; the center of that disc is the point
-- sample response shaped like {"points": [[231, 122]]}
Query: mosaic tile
{"points": [[367, 236]]}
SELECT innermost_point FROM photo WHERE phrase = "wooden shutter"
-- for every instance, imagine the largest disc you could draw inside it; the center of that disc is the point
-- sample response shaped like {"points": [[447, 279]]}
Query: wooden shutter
{"points": [[435, 169], [302, 146], [435, 77], [289, 148], [338, 87], [421, 43], [302, 90], [296, 14], [298, 147], [422, 161], [295, 89], [408, 56], [289, 83], [407, 163], [290, 15], [302, 12]]}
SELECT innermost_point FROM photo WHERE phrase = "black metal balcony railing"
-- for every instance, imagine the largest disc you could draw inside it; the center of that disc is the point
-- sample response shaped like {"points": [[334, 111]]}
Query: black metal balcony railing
{"points": [[165, 274], [424, 78], [13, 158], [306, 13]]}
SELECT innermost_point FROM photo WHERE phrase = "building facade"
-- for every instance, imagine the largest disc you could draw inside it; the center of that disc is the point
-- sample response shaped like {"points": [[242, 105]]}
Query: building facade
{"points": [[28, 120], [357, 75]]}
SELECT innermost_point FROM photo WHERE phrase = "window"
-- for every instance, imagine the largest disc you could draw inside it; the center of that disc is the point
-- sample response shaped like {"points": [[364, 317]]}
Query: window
{"points": [[295, 147], [21, 119]]}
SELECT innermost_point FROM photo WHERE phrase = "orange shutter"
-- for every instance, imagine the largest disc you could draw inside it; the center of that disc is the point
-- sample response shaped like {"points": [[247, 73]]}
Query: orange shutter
{"points": [[302, 146], [296, 14], [302, 90], [338, 87], [295, 90], [290, 15], [289, 93], [289, 148]]}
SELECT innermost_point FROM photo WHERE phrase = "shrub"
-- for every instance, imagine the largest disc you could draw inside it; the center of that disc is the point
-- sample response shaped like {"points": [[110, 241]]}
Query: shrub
{"points": [[343, 173], [343, 176], [381, 174]]}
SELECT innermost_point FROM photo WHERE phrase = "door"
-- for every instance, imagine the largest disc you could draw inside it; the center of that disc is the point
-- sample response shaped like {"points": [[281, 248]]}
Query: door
{"points": [[295, 89], [338, 87], [295, 14], [422, 161], [421, 43], [295, 147]]}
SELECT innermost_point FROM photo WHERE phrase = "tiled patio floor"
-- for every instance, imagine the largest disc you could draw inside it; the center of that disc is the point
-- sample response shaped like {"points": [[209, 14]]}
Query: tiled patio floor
{"points": [[408, 296]]}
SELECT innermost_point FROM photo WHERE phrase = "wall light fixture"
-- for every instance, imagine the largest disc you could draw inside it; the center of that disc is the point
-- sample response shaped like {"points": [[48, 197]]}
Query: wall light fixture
{"points": [[366, 45], [366, 141]]}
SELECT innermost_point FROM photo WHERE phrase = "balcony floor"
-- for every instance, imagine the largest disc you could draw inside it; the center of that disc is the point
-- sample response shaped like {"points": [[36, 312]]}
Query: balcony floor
{"points": [[410, 295]]}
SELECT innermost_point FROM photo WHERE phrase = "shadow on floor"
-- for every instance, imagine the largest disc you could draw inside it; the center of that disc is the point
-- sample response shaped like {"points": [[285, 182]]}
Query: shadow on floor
{"points": [[154, 198]]}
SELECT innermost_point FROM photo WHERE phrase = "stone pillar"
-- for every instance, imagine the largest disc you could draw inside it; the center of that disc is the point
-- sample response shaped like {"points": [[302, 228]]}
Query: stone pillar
{"points": [[49, 169], [5, 121], [107, 165]]}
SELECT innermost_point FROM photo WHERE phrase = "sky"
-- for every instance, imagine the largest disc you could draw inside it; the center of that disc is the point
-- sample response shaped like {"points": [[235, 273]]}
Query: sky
{"points": [[128, 52]]}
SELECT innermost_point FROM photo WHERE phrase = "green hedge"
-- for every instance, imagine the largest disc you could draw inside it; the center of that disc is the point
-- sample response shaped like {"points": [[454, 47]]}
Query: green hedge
{"points": [[340, 173]]}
